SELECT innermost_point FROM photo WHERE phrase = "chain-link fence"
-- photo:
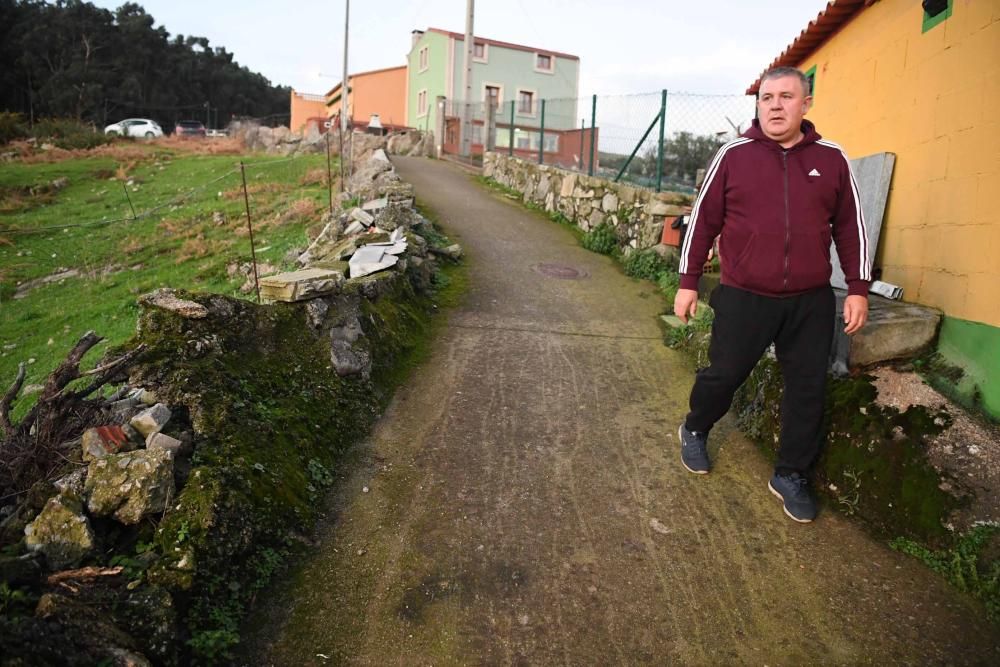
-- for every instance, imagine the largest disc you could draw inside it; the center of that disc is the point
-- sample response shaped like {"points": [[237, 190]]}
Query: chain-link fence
{"points": [[656, 140]]}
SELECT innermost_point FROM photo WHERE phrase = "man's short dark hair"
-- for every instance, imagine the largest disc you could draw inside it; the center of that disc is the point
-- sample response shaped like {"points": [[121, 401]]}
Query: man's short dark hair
{"points": [[779, 72]]}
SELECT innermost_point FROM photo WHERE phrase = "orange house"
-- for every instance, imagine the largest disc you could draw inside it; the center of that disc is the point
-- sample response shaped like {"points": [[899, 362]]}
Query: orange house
{"points": [[380, 91], [306, 107]]}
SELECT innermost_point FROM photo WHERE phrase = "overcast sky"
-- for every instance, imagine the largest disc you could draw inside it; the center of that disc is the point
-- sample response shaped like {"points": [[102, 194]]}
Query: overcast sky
{"points": [[631, 46]]}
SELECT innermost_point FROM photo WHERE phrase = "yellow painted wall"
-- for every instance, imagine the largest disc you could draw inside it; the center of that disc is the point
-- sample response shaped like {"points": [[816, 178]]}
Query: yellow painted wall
{"points": [[933, 99]]}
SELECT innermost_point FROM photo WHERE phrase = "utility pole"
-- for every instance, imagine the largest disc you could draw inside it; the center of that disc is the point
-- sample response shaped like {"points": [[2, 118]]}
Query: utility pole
{"points": [[465, 129], [344, 158]]}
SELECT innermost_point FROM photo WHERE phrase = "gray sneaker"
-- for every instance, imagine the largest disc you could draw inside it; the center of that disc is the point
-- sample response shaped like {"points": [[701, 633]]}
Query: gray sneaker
{"points": [[793, 490], [694, 452]]}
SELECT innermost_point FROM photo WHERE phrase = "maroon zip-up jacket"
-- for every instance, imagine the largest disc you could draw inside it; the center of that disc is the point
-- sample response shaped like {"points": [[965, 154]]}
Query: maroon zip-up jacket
{"points": [[775, 211]]}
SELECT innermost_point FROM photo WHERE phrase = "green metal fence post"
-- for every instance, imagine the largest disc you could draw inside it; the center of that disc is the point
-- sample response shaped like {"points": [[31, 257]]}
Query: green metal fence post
{"points": [[593, 123], [510, 150], [659, 144], [541, 137], [637, 147]]}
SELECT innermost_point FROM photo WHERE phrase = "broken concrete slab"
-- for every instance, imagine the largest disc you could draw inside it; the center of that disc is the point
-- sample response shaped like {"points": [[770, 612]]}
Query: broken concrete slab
{"points": [[151, 420], [359, 215], [873, 175], [354, 228], [301, 285], [336, 252], [370, 259], [166, 299], [374, 205], [895, 330]]}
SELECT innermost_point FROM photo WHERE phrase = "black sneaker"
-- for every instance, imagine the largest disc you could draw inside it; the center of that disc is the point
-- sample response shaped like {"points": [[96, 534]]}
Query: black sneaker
{"points": [[793, 490], [694, 453]]}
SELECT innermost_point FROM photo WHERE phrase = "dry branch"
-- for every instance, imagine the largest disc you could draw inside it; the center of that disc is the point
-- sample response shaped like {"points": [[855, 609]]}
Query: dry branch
{"points": [[8, 399], [83, 574]]}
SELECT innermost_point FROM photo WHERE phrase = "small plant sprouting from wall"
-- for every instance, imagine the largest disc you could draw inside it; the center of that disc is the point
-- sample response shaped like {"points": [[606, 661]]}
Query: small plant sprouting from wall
{"points": [[601, 239]]}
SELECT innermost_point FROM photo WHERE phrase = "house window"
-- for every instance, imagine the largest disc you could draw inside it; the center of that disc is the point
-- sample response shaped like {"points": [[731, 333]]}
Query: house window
{"points": [[551, 143], [491, 94], [526, 102], [522, 140], [811, 76], [422, 103], [544, 62], [480, 52], [935, 13], [423, 59]]}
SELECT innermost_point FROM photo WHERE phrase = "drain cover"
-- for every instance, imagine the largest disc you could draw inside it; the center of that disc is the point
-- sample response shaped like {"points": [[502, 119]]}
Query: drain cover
{"points": [[560, 271]]}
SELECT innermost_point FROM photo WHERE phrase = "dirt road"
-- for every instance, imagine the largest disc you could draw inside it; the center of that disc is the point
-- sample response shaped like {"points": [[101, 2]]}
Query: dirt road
{"points": [[522, 501]]}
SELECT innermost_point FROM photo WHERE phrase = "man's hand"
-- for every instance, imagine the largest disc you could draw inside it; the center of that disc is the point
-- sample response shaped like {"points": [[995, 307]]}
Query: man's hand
{"points": [[855, 312], [686, 304]]}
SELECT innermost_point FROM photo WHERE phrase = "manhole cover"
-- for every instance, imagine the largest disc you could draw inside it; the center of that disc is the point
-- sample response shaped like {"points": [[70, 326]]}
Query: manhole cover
{"points": [[560, 271]]}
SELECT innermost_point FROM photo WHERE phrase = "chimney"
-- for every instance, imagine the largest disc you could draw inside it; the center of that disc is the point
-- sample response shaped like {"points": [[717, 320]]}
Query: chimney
{"points": [[415, 36]]}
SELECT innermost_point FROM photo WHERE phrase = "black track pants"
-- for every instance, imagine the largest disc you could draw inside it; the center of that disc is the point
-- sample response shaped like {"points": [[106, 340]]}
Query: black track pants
{"points": [[801, 328]]}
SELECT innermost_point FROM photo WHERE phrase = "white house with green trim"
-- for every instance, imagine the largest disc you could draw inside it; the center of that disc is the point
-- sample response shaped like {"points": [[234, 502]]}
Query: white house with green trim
{"points": [[524, 75]]}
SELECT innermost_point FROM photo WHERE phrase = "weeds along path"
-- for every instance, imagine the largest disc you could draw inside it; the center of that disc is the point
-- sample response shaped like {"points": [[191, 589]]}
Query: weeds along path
{"points": [[522, 501]]}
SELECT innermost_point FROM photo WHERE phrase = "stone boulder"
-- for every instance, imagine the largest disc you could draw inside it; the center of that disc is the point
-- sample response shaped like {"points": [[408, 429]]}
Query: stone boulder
{"points": [[166, 299], [403, 143], [130, 485], [364, 146], [61, 532], [347, 358], [151, 420], [369, 170]]}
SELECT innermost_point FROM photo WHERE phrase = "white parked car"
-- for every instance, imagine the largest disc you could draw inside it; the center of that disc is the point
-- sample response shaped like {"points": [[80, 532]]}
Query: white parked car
{"points": [[135, 127]]}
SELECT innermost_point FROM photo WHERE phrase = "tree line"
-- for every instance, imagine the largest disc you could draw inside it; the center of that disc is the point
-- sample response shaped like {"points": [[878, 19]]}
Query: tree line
{"points": [[71, 59], [684, 153]]}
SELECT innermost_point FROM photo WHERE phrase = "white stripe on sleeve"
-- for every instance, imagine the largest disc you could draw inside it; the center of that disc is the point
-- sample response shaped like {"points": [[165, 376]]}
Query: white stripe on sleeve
{"points": [[713, 169]]}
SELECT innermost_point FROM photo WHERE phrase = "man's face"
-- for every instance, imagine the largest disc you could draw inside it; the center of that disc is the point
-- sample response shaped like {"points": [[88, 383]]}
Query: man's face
{"points": [[781, 104]]}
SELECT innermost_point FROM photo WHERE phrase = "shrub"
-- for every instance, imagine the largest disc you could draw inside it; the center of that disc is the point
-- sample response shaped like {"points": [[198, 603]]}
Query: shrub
{"points": [[669, 282], [601, 239], [69, 133], [646, 264], [12, 126]]}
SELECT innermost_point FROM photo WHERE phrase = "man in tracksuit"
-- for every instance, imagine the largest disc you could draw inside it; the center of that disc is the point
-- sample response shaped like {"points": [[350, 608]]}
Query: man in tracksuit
{"points": [[774, 197]]}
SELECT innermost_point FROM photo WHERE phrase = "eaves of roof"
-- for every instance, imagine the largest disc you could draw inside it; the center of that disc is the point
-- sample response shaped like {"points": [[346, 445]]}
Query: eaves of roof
{"points": [[360, 74], [507, 45], [834, 16]]}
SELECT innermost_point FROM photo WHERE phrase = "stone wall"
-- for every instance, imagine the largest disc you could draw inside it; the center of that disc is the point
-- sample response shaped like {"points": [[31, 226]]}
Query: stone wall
{"points": [[204, 472], [636, 214]]}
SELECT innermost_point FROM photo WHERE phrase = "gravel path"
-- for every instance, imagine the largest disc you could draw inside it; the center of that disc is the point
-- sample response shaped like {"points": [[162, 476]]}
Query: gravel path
{"points": [[522, 500]]}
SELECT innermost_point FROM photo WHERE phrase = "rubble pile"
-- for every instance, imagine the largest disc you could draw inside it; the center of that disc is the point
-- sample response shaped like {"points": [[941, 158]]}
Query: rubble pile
{"points": [[381, 234], [282, 141]]}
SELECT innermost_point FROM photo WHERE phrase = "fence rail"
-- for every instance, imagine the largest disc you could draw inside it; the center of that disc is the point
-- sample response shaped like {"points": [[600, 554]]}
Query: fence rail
{"points": [[655, 140]]}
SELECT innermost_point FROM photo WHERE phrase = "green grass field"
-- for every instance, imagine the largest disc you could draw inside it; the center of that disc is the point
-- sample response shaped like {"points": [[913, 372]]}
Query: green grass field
{"points": [[183, 243]]}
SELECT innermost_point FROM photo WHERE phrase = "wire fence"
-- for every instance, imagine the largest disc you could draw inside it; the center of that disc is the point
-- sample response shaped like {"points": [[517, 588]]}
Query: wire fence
{"points": [[656, 140], [227, 212]]}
